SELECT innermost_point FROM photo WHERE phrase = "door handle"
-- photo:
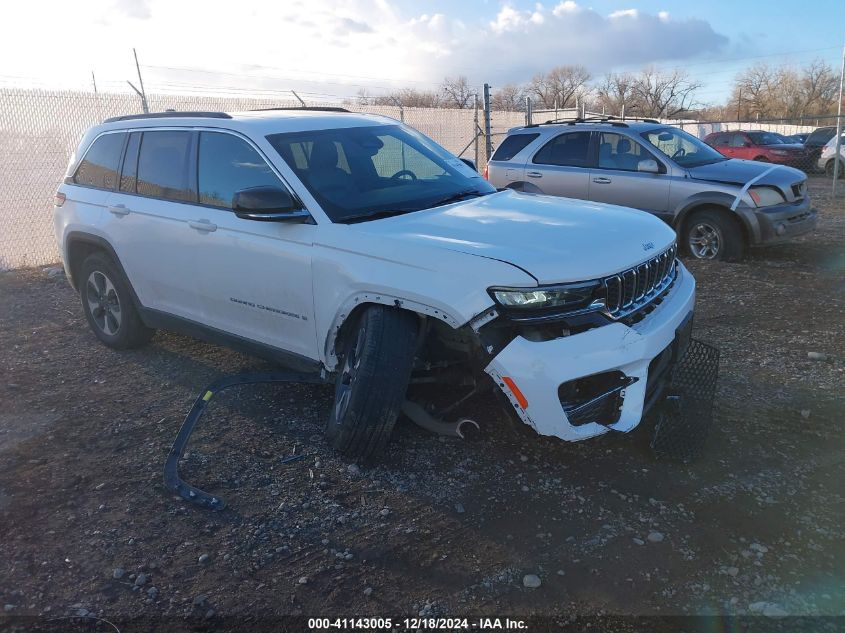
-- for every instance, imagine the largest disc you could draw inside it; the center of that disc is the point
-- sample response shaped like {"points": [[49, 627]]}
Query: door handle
{"points": [[118, 209], [204, 226], [601, 180], [534, 174]]}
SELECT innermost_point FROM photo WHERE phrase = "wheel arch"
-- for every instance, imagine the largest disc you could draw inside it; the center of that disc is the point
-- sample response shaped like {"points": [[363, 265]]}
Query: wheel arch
{"points": [[79, 245], [720, 203], [524, 187], [347, 315]]}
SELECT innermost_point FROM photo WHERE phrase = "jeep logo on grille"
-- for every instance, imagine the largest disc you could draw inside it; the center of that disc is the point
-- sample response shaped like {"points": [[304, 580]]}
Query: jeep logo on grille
{"points": [[647, 246]]}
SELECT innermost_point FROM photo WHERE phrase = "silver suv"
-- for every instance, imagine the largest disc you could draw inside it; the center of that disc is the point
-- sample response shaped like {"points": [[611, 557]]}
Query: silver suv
{"points": [[717, 205]]}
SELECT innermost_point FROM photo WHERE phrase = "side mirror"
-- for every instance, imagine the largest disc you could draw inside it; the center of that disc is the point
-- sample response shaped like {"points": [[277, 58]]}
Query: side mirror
{"points": [[649, 166], [268, 204], [470, 163]]}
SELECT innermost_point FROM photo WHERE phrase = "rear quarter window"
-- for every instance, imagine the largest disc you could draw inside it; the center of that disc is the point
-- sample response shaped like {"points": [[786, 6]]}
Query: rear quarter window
{"points": [[99, 166], [513, 145]]}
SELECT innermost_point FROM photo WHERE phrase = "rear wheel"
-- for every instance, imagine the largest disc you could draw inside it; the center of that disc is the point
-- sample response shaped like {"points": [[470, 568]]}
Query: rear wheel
{"points": [[375, 367], [714, 235], [107, 303]]}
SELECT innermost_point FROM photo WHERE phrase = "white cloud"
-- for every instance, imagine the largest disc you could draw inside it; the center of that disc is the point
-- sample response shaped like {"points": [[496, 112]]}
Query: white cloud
{"points": [[329, 46]]}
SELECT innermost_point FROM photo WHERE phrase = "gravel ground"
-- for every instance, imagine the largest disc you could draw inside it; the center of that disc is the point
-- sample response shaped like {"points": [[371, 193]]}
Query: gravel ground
{"points": [[442, 526]]}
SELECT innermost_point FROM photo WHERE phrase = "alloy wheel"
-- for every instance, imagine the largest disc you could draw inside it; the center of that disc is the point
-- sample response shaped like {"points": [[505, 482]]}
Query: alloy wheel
{"points": [[348, 374], [704, 241], [103, 303]]}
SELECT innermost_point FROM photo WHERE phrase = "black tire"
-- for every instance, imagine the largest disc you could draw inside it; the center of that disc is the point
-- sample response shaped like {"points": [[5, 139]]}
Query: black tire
{"points": [[376, 358], [829, 167], [722, 232], [108, 305]]}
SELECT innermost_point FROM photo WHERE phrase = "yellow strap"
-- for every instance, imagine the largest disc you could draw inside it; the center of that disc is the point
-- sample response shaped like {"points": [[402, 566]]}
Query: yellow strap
{"points": [[207, 396]]}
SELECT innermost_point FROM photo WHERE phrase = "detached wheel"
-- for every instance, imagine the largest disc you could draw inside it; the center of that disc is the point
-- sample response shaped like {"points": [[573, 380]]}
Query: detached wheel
{"points": [[107, 303], [714, 235], [375, 368]]}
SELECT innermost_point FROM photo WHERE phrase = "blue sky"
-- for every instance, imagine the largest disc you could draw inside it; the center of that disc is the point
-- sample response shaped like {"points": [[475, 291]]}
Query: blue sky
{"points": [[331, 49]]}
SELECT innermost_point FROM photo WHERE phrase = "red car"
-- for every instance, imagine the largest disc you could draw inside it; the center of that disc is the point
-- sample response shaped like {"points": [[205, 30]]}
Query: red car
{"points": [[761, 146]]}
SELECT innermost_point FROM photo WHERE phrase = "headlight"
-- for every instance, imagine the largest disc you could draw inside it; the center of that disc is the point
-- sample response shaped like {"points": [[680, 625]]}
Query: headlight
{"points": [[766, 196], [570, 296]]}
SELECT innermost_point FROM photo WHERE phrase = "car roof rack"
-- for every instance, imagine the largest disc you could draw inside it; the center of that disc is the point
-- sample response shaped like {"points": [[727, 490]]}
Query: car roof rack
{"points": [[613, 120], [306, 108], [169, 114]]}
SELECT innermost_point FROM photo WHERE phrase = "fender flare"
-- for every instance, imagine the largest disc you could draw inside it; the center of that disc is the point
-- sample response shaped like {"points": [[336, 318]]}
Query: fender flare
{"points": [[723, 201], [75, 237], [356, 301]]}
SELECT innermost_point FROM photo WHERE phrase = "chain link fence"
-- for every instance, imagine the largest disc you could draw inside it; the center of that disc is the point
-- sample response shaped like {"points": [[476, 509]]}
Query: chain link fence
{"points": [[39, 130]]}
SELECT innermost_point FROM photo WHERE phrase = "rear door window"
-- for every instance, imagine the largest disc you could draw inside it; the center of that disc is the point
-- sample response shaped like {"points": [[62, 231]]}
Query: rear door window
{"points": [[570, 149], [99, 167], [513, 145], [737, 140], [165, 166], [228, 164]]}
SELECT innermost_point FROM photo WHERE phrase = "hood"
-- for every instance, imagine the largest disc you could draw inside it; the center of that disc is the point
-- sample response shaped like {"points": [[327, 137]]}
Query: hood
{"points": [[739, 172], [553, 239]]}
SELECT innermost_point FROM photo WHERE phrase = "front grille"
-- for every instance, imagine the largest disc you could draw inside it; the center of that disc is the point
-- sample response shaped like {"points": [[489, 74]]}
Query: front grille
{"points": [[634, 288]]}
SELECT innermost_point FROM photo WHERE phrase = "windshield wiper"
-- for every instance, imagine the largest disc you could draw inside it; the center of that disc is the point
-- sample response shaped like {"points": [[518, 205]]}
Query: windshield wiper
{"points": [[374, 215], [456, 197]]}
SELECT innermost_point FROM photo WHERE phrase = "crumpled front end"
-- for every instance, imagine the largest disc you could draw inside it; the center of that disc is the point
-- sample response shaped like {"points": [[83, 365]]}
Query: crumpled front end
{"points": [[604, 378]]}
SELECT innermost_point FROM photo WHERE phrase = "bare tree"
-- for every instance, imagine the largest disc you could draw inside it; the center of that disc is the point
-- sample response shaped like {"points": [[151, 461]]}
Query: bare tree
{"points": [[410, 98], [509, 97], [664, 94], [559, 86], [615, 92], [762, 91], [457, 93]]}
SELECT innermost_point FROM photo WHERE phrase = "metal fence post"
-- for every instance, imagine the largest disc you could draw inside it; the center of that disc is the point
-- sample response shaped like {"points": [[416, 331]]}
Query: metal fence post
{"points": [[488, 141], [837, 157], [529, 112], [475, 128]]}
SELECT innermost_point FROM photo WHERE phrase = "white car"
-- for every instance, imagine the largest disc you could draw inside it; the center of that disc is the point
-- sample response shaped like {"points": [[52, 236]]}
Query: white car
{"points": [[352, 245], [826, 160]]}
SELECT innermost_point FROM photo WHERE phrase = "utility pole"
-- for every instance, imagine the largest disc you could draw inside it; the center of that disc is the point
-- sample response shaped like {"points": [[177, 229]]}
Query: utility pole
{"points": [[739, 105], [529, 111], [837, 155], [488, 141]]}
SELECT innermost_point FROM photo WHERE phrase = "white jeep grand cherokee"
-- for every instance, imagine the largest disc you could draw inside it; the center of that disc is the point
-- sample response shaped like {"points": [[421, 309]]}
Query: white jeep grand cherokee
{"points": [[354, 245]]}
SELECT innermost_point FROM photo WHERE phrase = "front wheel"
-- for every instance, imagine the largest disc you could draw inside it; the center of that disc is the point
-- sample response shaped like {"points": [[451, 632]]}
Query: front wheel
{"points": [[376, 358], [714, 235], [831, 165]]}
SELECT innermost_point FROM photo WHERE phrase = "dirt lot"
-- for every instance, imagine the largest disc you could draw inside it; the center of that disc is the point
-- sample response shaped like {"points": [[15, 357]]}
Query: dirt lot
{"points": [[442, 527]]}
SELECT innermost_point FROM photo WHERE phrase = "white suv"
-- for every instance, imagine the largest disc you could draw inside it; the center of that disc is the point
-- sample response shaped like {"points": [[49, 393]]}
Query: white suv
{"points": [[352, 245]]}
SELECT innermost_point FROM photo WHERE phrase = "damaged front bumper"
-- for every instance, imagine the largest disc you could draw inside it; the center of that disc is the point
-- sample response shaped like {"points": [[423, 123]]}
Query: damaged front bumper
{"points": [[605, 378]]}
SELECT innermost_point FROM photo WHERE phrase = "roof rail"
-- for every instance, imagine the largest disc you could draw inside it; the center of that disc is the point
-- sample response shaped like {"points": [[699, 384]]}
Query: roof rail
{"points": [[168, 115], [306, 108]]}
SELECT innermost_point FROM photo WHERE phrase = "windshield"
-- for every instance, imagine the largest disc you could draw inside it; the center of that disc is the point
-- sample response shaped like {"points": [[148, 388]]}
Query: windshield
{"points": [[683, 148], [360, 173], [765, 138]]}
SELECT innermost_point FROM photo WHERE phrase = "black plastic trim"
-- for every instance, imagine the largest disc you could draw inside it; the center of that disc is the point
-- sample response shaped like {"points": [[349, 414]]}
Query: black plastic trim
{"points": [[165, 321], [169, 115]]}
